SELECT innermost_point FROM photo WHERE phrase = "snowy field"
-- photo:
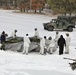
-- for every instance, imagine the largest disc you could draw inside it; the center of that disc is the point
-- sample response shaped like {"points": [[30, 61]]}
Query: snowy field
{"points": [[15, 63]]}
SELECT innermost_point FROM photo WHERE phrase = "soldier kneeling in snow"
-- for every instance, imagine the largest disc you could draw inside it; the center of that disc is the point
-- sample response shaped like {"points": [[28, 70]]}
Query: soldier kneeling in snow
{"points": [[51, 46]]}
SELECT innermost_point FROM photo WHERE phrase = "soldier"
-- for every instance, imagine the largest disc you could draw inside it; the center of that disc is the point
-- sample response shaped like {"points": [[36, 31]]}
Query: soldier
{"points": [[3, 39], [68, 39], [56, 39], [26, 44], [42, 45], [51, 45], [14, 34], [36, 33], [61, 43]]}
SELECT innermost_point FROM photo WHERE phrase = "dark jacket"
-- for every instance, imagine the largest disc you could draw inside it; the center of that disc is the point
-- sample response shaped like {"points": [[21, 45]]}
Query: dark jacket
{"points": [[61, 41], [2, 38]]}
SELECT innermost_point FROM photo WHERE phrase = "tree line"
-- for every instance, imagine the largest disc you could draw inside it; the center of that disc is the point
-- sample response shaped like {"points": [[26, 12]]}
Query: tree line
{"points": [[34, 5], [57, 6], [63, 6], [23, 5]]}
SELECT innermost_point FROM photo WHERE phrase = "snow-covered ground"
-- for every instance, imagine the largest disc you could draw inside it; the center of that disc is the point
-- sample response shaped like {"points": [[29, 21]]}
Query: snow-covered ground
{"points": [[14, 63]]}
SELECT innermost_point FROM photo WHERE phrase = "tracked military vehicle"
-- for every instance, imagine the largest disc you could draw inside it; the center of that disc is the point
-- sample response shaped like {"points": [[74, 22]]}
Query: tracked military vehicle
{"points": [[62, 23]]}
